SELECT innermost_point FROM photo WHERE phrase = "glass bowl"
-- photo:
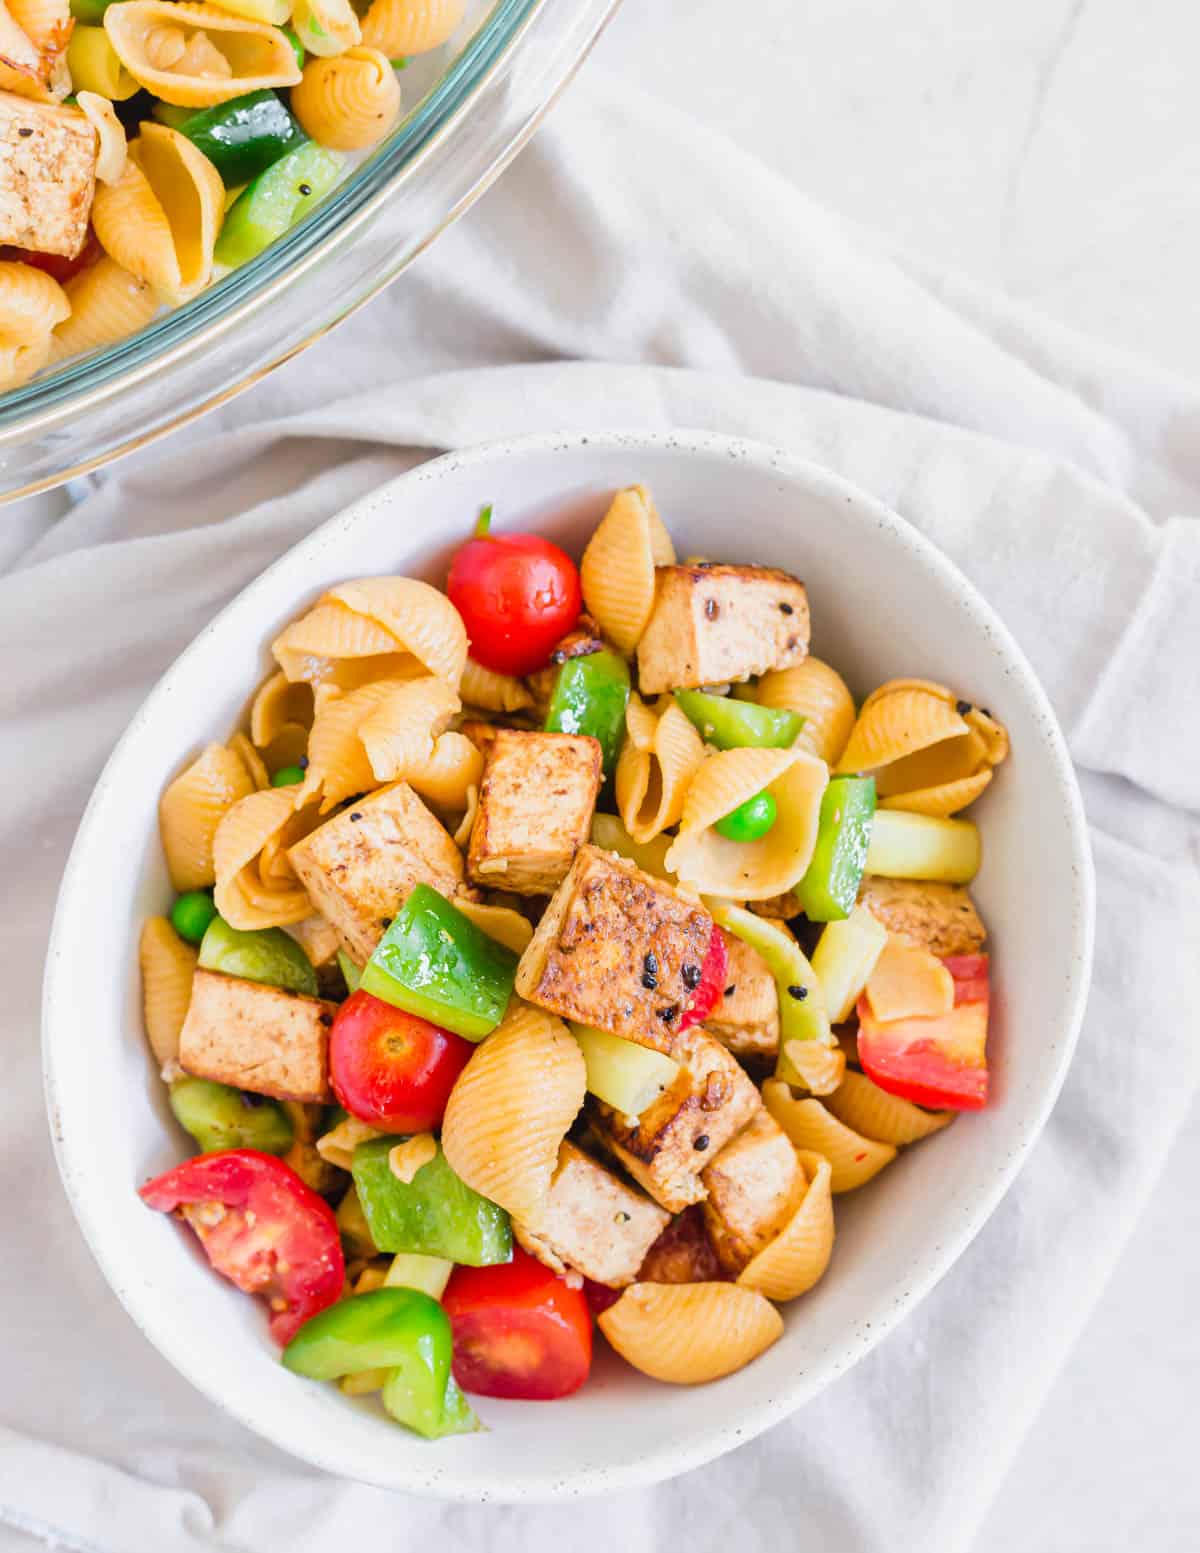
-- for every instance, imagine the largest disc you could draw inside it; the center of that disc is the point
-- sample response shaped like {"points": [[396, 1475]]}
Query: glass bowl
{"points": [[477, 111]]}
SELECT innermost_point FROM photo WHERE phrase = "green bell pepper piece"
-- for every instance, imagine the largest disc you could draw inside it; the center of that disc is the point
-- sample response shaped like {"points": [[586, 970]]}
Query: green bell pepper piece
{"points": [[734, 725], [167, 113], [244, 137], [435, 963], [219, 1117], [351, 974], [436, 1213], [90, 12], [268, 955], [353, 1227], [590, 696], [399, 1330], [829, 889], [297, 47], [276, 200]]}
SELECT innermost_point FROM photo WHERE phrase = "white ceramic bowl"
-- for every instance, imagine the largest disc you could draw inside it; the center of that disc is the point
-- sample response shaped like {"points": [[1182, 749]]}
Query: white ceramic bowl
{"points": [[884, 603]]}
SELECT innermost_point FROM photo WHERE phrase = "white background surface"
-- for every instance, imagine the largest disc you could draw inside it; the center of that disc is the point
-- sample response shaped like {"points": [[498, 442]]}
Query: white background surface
{"points": [[1050, 148]]}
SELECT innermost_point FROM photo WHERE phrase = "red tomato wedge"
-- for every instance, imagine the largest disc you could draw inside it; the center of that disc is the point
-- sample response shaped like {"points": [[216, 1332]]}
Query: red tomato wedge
{"points": [[939, 1062], [392, 1069], [519, 1331], [56, 265], [261, 1228], [518, 596], [711, 985]]}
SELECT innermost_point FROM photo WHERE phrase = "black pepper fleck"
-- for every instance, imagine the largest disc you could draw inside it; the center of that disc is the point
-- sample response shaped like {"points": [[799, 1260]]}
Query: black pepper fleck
{"points": [[667, 1015], [985, 711], [962, 707], [305, 188], [303, 762], [24, 132], [711, 609], [622, 1217], [691, 977], [558, 656], [792, 643], [356, 815], [386, 922], [798, 992], [252, 1101], [786, 609], [701, 1142], [731, 989], [325, 1019]]}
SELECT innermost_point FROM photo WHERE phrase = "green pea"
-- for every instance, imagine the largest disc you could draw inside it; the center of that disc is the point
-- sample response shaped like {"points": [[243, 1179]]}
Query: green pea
{"points": [[749, 820], [191, 914], [219, 1117], [287, 776]]}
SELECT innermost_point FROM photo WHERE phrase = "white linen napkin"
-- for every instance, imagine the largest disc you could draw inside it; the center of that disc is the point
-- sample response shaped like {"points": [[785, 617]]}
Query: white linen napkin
{"points": [[1058, 476]]}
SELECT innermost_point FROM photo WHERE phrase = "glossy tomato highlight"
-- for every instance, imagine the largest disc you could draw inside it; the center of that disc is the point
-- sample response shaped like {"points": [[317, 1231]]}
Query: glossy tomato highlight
{"points": [[393, 1069]]}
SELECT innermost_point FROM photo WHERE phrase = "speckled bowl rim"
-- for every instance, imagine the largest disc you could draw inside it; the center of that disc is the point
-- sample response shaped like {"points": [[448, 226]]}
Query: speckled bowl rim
{"points": [[728, 1432]]}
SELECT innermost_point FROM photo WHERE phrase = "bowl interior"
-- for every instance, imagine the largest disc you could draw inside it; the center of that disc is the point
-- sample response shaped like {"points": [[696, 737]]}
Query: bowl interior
{"points": [[883, 604]]}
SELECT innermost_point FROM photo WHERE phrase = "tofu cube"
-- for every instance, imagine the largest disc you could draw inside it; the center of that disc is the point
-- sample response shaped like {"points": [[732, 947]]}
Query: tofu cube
{"points": [[535, 809], [754, 1186], [940, 917], [617, 949], [47, 175], [361, 866], [593, 1222], [746, 1017], [666, 1147], [714, 624], [683, 1253], [256, 1037]]}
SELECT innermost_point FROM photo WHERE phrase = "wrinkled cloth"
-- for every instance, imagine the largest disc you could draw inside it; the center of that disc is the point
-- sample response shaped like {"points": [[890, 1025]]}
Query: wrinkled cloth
{"points": [[633, 272]]}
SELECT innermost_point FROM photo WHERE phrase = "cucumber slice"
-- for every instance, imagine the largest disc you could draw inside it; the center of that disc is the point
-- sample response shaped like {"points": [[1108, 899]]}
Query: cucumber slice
{"points": [[276, 200], [844, 958], [622, 1074], [921, 846], [268, 955]]}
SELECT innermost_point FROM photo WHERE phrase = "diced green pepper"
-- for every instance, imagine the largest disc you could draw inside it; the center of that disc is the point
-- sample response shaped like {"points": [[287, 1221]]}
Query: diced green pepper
{"points": [[219, 1117], [413, 1270], [435, 1213], [829, 889], [732, 725], [351, 974], [276, 200], [297, 47], [268, 955], [435, 963], [90, 12], [401, 1331], [590, 696], [167, 113], [244, 137]]}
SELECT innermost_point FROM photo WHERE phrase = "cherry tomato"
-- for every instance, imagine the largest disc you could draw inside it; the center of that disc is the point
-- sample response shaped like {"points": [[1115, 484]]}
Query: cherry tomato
{"points": [[261, 1228], [518, 596], [390, 1068], [940, 1062], [57, 265], [711, 986], [519, 1331]]}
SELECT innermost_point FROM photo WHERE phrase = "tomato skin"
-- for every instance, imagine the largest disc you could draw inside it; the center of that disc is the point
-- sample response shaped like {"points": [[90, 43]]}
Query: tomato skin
{"points": [[711, 986], [519, 1331], [941, 1062], [390, 1068], [56, 265], [261, 1228], [518, 596]]}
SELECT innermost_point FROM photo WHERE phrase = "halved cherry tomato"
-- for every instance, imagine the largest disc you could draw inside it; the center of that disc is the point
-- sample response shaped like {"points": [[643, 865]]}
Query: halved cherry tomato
{"points": [[261, 1227], [711, 986], [519, 1331], [56, 265], [390, 1068], [939, 1062], [517, 594]]}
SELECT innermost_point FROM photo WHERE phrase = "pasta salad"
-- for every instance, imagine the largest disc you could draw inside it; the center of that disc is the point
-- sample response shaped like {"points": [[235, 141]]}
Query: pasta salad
{"points": [[549, 952], [147, 147]]}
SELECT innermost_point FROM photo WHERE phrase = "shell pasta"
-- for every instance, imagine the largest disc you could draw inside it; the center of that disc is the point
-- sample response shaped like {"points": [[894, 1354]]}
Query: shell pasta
{"points": [[617, 969]]}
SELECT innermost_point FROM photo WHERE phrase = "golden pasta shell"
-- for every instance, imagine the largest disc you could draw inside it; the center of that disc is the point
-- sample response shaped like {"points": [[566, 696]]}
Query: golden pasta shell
{"points": [[866, 1109], [251, 759], [190, 810], [452, 774], [258, 55], [46, 23], [247, 826], [942, 801], [111, 143], [689, 1333], [511, 1107], [897, 723], [462, 831], [749, 870], [641, 722], [337, 1146], [262, 825], [399, 734], [349, 102], [280, 703], [338, 765], [652, 783], [328, 631], [819, 1068], [32, 304], [799, 1255], [107, 304], [503, 923], [492, 692], [419, 617], [326, 27], [854, 1160], [167, 966], [617, 569], [403, 27], [821, 696]]}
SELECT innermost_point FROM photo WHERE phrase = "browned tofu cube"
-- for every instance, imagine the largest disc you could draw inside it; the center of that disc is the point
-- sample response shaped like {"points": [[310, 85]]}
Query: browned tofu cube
{"points": [[940, 917], [360, 867], [593, 1222], [256, 1037], [683, 1253], [535, 809], [617, 949], [754, 1186], [47, 175], [666, 1147], [714, 624], [746, 1017]]}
